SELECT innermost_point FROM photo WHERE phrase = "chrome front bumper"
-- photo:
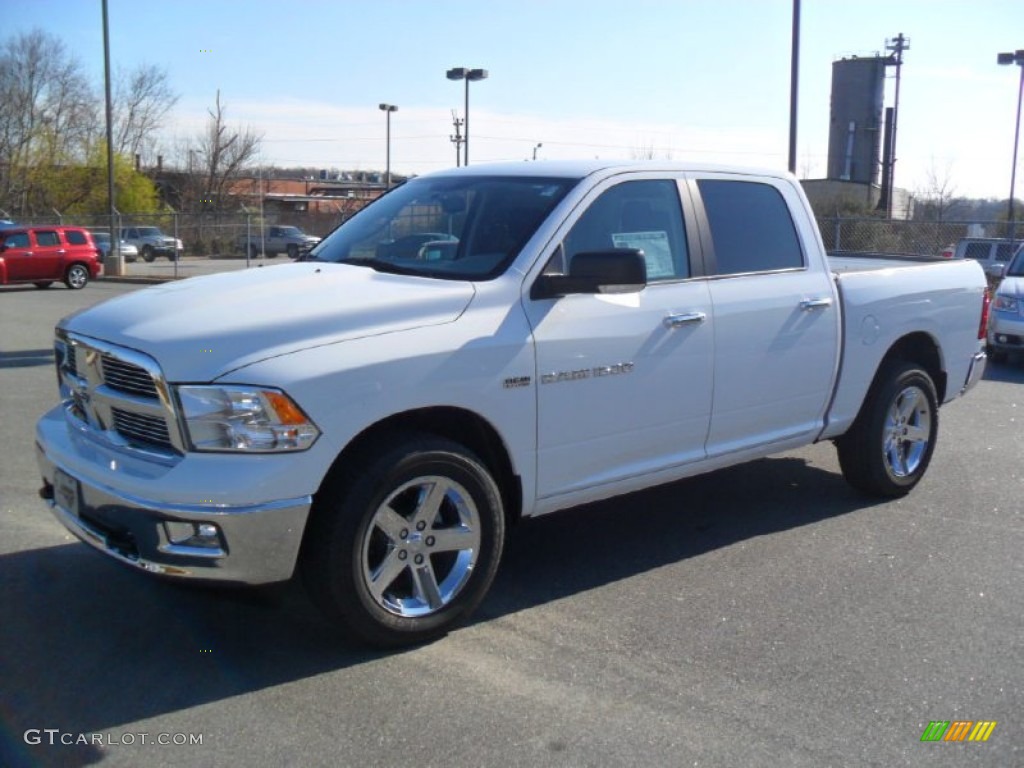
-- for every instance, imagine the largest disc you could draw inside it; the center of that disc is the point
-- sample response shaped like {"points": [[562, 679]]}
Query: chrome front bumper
{"points": [[254, 544]]}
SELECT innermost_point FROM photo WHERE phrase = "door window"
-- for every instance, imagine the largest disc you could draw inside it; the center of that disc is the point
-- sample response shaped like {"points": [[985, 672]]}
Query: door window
{"points": [[645, 215], [47, 237], [751, 227], [17, 240]]}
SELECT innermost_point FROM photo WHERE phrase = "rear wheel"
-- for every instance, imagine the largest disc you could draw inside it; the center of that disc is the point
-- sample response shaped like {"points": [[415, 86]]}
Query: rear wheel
{"points": [[254, 252], [888, 448], [403, 547], [77, 277]]}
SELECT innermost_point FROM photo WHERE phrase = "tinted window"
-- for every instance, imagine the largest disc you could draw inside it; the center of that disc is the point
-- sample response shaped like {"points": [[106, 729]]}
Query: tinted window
{"points": [[751, 228], [978, 251], [455, 227], [1003, 252], [75, 237], [636, 214], [17, 240], [47, 237]]}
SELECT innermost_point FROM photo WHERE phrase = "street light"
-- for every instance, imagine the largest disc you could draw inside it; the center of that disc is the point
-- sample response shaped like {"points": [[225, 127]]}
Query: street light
{"points": [[462, 73], [388, 109], [1017, 57], [539, 145]]}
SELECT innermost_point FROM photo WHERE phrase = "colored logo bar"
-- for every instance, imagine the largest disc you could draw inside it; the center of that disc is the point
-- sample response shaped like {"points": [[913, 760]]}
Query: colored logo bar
{"points": [[958, 730]]}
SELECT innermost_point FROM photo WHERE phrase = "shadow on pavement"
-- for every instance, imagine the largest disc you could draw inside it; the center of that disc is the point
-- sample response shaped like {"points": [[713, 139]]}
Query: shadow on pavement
{"points": [[88, 646]]}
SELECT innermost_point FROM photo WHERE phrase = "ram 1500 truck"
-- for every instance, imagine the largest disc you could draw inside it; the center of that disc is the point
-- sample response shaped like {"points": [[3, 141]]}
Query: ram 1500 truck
{"points": [[275, 240], [481, 345]]}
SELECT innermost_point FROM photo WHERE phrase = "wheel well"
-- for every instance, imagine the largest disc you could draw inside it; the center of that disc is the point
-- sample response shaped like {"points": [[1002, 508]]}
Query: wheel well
{"points": [[461, 426], [920, 348]]}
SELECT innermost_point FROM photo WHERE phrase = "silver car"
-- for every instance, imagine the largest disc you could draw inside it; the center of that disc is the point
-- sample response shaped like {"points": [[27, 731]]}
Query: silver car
{"points": [[1006, 317], [102, 240]]}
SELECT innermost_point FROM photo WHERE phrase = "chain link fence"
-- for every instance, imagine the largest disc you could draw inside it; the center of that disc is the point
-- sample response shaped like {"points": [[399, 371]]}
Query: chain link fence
{"points": [[216, 235], [221, 235], [918, 239]]}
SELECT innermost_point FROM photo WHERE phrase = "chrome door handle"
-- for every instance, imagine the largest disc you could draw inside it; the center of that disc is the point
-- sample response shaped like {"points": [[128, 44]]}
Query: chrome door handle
{"points": [[808, 304], [687, 318]]}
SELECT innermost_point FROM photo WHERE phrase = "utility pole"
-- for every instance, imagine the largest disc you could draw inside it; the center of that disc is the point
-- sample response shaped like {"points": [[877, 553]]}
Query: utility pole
{"points": [[457, 139], [897, 46]]}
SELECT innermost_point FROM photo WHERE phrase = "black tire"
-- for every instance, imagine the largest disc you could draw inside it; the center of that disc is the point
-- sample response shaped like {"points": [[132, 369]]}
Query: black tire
{"points": [[43, 284], [254, 252], [888, 448], [147, 254], [293, 251], [77, 277], [453, 529]]}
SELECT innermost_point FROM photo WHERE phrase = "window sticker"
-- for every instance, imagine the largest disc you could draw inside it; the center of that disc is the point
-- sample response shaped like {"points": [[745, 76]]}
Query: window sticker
{"points": [[657, 253]]}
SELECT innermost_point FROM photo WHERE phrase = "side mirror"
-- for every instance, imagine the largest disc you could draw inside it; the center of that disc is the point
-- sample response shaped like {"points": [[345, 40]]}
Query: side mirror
{"points": [[616, 270]]}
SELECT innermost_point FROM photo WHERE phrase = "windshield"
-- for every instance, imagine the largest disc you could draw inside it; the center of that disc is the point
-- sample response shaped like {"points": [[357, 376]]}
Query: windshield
{"points": [[461, 228], [1016, 268]]}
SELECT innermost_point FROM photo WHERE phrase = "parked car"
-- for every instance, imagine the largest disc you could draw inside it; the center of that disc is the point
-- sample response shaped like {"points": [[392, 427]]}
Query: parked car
{"points": [[1006, 321], [151, 243], [377, 417], [102, 239], [993, 253], [276, 239], [43, 255]]}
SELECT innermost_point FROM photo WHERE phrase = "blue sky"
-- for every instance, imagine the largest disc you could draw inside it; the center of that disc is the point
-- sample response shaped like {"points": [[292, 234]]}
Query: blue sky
{"points": [[705, 79]]}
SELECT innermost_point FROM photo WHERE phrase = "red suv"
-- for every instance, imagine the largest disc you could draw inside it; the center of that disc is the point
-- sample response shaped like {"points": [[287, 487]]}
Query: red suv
{"points": [[42, 255]]}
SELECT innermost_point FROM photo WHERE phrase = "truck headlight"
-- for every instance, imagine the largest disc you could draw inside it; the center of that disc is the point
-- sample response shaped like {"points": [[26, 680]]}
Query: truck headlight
{"points": [[1005, 303], [244, 419]]}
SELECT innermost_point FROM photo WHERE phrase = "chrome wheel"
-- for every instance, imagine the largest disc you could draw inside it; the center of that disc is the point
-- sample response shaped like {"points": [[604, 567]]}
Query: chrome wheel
{"points": [[421, 546], [907, 431], [77, 277]]}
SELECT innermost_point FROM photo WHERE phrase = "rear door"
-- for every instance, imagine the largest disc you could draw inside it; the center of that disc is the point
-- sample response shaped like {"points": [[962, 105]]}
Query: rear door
{"points": [[48, 256], [776, 315], [623, 380]]}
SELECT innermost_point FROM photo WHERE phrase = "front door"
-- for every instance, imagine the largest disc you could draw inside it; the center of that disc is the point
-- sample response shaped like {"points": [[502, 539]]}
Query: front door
{"points": [[623, 380]]}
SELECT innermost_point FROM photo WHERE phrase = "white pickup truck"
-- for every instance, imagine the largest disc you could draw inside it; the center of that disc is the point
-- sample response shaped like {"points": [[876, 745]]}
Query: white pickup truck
{"points": [[481, 345]]}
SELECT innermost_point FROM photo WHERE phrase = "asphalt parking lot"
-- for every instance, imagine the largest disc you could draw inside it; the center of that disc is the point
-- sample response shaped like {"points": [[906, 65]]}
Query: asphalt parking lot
{"points": [[764, 615]]}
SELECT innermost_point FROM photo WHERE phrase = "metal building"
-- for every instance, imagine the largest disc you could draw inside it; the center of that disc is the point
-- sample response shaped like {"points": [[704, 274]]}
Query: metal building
{"points": [[855, 127]]}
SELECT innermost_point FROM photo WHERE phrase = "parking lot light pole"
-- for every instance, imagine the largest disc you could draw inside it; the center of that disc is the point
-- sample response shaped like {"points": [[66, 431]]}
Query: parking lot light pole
{"points": [[1017, 57], [388, 109], [462, 73]]}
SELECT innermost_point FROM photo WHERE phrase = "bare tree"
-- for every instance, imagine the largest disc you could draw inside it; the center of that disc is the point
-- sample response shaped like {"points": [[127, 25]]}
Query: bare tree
{"points": [[142, 98], [937, 198], [49, 115], [225, 153]]}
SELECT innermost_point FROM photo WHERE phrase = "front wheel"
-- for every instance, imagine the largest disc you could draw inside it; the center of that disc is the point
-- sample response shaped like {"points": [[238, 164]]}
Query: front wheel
{"points": [[402, 547], [147, 254], [293, 251], [888, 448], [77, 277]]}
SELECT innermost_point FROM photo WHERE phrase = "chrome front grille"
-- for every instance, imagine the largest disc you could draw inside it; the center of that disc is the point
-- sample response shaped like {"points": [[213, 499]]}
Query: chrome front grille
{"points": [[126, 377], [117, 394], [139, 428]]}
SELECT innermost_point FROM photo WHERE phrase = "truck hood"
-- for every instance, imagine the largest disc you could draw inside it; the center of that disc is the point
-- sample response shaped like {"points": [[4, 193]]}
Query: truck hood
{"points": [[201, 328]]}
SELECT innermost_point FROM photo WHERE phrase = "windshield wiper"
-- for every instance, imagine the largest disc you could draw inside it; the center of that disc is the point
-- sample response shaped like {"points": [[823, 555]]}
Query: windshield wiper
{"points": [[380, 265]]}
